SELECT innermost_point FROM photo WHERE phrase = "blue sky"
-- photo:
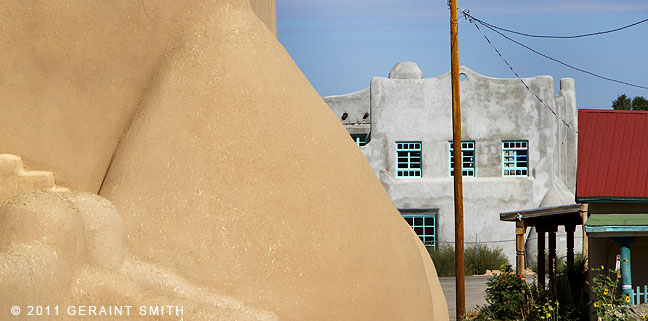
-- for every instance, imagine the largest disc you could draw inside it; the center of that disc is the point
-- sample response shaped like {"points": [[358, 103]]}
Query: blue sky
{"points": [[341, 44]]}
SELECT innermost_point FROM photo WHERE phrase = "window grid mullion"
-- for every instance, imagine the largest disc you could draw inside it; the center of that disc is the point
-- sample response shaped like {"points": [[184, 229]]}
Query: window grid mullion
{"points": [[511, 158], [468, 170], [409, 168]]}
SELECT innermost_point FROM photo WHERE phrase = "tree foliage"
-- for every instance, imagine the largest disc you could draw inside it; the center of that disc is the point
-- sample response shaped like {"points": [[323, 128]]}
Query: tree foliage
{"points": [[639, 103], [623, 102]]}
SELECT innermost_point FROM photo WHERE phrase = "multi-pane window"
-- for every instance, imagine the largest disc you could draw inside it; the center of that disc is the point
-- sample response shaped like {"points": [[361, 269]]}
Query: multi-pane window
{"points": [[359, 139], [408, 159], [515, 158], [467, 159], [425, 228]]}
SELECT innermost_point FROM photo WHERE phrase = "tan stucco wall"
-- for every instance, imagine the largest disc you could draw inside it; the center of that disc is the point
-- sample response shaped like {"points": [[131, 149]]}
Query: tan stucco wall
{"points": [[228, 170], [67, 254], [73, 72], [289, 211], [266, 10], [15, 179]]}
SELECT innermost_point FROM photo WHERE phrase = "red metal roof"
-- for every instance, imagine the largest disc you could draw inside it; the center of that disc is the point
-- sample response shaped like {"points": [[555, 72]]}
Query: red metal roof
{"points": [[612, 154]]}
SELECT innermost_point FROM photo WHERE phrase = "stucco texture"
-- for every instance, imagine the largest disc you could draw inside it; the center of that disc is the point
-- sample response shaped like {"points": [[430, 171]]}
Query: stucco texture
{"points": [[72, 73], [15, 179], [229, 172], [67, 251]]}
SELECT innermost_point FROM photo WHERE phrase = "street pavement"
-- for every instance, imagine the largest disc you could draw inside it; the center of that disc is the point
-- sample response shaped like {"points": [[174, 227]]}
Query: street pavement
{"points": [[475, 292]]}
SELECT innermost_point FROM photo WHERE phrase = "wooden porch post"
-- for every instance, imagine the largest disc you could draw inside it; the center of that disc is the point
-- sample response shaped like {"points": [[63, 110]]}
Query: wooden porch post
{"points": [[583, 212], [570, 229], [541, 256], [520, 229], [552, 252]]}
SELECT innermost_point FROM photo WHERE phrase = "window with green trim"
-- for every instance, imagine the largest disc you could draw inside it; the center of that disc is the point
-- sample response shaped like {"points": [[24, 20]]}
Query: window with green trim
{"points": [[515, 158], [467, 158], [425, 228], [408, 159], [359, 139]]}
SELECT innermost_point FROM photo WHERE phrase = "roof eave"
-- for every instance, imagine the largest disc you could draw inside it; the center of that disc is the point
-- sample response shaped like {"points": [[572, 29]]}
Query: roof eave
{"points": [[619, 199], [514, 216]]}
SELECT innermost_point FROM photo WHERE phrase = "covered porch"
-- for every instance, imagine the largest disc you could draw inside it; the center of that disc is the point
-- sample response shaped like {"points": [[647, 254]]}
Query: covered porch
{"points": [[546, 221], [625, 230]]}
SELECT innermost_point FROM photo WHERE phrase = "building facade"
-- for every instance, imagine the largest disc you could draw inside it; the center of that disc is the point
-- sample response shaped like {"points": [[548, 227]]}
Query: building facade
{"points": [[613, 182], [516, 153]]}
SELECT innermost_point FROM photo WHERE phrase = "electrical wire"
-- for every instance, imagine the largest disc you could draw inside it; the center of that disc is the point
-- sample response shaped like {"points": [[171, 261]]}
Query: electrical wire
{"points": [[484, 23], [468, 17], [522, 81]]}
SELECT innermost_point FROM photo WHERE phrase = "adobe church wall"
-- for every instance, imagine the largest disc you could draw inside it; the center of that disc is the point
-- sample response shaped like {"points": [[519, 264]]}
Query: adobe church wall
{"points": [[223, 162], [266, 10]]}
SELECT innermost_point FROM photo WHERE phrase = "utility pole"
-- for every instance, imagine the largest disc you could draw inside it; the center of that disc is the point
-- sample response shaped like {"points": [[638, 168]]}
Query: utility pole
{"points": [[456, 156]]}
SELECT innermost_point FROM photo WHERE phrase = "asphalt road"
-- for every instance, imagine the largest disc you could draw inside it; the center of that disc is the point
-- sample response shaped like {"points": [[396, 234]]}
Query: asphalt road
{"points": [[475, 291]]}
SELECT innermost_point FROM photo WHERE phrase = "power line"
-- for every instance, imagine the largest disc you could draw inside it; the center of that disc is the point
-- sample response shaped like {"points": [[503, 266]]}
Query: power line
{"points": [[544, 55], [484, 23], [522, 81]]}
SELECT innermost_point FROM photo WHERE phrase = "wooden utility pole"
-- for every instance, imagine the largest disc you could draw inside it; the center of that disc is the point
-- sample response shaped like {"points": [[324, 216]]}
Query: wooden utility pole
{"points": [[456, 155]]}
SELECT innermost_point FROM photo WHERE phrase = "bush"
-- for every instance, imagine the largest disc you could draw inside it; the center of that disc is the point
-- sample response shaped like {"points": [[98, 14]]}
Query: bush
{"points": [[508, 296], [477, 259], [444, 260], [561, 263], [571, 287]]}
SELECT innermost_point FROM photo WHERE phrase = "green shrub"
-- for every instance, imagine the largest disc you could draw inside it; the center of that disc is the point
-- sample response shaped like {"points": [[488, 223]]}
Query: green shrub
{"points": [[561, 263], [477, 259], [444, 259], [508, 296], [571, 287]]}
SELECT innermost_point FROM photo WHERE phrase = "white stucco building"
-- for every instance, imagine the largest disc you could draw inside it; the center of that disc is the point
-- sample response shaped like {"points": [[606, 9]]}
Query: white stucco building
{"points": [[516, 152]]}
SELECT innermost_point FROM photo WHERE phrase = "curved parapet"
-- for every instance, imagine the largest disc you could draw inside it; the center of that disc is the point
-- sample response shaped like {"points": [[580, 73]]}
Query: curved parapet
{"points": [[406, 70]]}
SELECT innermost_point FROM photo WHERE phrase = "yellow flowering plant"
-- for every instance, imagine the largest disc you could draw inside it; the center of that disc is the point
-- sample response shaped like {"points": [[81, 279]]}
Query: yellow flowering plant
{"points": [[608, 302], [547, 311]]}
